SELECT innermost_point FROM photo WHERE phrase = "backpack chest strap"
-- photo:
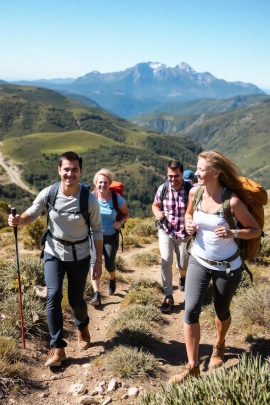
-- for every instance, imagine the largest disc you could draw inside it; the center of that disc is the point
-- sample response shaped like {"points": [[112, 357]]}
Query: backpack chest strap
{"points": [[68, 243], [51, 207]]}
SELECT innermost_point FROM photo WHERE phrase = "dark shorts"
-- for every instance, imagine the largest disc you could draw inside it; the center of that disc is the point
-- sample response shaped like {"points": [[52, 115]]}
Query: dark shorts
{"points": [[197, 281]]}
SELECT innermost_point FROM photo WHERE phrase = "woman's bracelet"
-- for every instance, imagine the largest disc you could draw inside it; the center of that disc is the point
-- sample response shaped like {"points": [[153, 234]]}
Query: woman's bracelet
{"points": [[99, 261], [188, 218]]}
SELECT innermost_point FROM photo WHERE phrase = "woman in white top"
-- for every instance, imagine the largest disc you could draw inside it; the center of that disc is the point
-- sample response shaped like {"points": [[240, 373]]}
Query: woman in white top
{"points": [[214, 243]]}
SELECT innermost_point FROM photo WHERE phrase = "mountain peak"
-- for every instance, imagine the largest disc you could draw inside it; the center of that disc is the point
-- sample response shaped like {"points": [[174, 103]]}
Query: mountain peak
{"points": [[185, 66], [156, 65]]}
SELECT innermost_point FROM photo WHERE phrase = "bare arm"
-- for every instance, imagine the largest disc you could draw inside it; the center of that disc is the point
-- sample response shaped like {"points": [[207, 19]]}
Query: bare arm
{"points": [[124, 211], [190, 225], [156, 209], [97, 270], [250, 227]]}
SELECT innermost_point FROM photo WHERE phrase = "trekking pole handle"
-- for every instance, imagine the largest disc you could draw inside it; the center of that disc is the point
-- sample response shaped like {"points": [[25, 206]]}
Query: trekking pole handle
{"points": [[13, 213]]}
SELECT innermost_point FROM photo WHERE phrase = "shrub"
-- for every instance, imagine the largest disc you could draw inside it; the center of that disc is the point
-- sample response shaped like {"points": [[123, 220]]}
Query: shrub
{"points": [[145, 228], [136, 334], [145, 259], [143, 297], [7, 240], [131, 241], [34, 314], [12, 370], [32, 233], [148, 314], [131, 363], [31, 270], [251, 308], [264, 255], [144, 283], [246, 383], [120, 263]]}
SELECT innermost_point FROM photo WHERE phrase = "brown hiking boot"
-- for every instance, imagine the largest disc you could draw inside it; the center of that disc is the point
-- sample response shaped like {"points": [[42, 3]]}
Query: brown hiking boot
{"points": [[185, 374], [83, 338], [217, 356], [56, 356]]}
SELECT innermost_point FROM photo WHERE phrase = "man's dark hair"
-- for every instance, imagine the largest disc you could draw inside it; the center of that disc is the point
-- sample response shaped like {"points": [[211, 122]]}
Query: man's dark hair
{"points": [[175, 164], [70, 156]]}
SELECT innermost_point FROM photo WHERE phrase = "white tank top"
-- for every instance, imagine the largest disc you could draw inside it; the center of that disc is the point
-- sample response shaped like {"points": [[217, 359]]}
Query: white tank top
{"points": [[208, 245]]}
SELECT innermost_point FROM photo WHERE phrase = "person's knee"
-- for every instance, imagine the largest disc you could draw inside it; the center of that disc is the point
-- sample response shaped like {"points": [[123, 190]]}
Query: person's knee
{"points": [[191, 315], [75, 302], [166, 264], [54, 296], [222, 315], [110, 269]]}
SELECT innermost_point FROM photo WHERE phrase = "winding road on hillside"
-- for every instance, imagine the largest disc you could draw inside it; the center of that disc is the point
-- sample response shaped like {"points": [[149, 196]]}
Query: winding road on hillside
{"points": [[13, 172]]}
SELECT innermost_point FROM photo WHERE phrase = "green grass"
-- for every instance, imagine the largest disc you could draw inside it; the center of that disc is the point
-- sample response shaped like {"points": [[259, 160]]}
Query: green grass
{"points": [[247, 383]]}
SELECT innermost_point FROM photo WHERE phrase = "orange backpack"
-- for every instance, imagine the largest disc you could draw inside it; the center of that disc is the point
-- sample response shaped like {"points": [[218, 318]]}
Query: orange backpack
{"points": [[257, 198]]}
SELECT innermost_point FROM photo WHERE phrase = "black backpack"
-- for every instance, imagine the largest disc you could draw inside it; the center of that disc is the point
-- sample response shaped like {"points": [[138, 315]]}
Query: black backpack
{"points": [[84, 201]]}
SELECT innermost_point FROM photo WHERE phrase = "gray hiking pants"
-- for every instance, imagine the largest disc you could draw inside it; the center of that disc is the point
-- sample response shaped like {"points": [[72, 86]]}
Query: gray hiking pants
{"points": [[167, 247]]}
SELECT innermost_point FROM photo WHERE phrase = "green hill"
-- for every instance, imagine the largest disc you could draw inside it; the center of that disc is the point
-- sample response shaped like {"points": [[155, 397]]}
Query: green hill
{"points": [[37, 125], [241, 133], [200, 106]]}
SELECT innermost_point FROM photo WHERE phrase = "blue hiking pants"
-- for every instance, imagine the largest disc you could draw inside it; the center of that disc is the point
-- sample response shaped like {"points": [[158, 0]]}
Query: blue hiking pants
{"points": [[54, 271]]}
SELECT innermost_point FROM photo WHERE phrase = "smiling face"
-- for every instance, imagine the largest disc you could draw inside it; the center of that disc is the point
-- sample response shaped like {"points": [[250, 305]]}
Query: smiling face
{"points": [[175, 178], [70, 172], [102, 184], [204, 172]]}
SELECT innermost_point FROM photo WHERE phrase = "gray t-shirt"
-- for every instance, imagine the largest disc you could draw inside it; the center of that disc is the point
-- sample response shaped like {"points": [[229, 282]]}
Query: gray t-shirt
{"points": [[68, 226]]}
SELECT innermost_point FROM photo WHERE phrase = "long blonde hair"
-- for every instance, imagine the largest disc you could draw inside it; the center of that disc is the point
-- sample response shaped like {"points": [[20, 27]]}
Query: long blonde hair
{"points": [[228, 171], [103, 172]]}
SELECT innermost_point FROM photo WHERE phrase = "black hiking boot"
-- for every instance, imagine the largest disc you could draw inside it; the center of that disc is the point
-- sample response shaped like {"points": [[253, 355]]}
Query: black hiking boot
{"points": [[112, 286], [96, 300], [168, 303]]}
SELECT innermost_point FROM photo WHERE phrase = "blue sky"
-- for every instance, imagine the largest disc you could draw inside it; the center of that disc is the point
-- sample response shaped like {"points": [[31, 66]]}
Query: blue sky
{"points": [[67, 38]]}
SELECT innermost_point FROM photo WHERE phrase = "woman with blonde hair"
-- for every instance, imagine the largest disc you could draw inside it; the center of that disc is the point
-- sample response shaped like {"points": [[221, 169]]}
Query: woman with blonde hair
{"points": [[214, 253], [110, 226]]}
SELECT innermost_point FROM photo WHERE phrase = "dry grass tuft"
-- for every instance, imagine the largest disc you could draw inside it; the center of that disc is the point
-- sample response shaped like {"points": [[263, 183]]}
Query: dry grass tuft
{"points": [[12, 370], [146, 259], [142, 297], [135, 313], [251, 309], [131, 363]]}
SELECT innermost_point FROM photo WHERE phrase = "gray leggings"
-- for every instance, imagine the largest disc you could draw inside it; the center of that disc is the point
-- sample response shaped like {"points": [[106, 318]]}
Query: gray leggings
{"points": [[197, 281]]}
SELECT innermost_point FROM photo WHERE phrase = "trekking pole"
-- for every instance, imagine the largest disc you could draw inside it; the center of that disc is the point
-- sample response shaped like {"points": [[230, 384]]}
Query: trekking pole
{"points": [[13, 213]]}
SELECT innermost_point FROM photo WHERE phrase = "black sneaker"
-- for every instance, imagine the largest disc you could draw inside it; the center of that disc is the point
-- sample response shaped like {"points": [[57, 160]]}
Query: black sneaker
{"points": [[168, 303], [96, 300], [182, 282], [112, 286]]}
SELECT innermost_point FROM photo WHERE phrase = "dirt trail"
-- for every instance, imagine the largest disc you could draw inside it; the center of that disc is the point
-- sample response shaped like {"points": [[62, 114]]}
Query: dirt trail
{"points": [[13, 172], [52, 385]]}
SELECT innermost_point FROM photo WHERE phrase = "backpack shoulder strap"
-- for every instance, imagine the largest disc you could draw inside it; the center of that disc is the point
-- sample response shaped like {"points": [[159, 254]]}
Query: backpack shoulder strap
{"points": [[84, 202], [226, 196], [114, 200], [164, 193], [197, 197], [52, 194], [187, 187]]}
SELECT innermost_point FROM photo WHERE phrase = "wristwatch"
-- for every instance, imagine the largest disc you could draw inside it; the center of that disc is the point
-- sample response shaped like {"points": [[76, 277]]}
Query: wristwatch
{"points": [[235, 234]]}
